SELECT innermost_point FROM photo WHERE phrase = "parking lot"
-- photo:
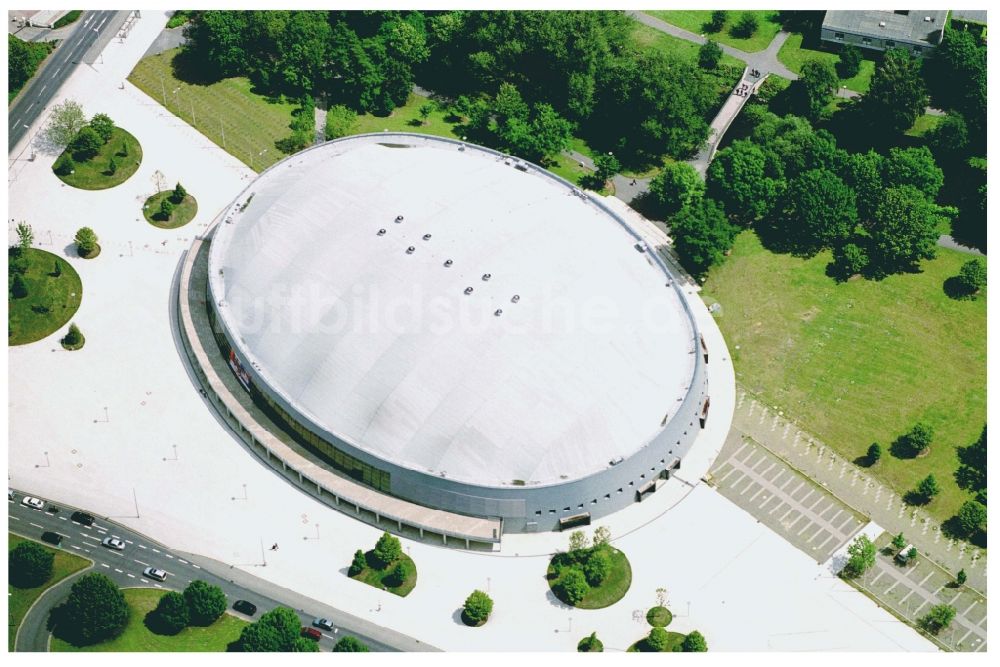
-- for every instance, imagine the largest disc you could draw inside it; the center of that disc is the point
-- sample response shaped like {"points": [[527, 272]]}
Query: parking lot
{"points": [[795, 507]]}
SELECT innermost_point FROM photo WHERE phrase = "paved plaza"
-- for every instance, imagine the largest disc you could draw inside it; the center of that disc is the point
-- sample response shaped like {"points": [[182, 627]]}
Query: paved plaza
{"points": [[120, 428], [780, 497]]}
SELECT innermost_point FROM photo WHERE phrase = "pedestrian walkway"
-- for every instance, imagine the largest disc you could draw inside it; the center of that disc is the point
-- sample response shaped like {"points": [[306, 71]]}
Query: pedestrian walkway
{"points": [[748, 84], [911, 590], [776, 431]]}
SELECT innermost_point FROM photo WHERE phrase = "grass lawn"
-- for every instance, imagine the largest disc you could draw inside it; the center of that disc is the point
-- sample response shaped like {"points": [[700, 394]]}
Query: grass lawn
{"points": [[70, 17], [50, 303], [659, 617], [138, 638], [862, 361], [645, 37], [923, 125], [182, 214], [673, 639], [376, 578], [228, 112], [793, 55], [692, 20], [611, 590], [94, 175], [19, 600]]}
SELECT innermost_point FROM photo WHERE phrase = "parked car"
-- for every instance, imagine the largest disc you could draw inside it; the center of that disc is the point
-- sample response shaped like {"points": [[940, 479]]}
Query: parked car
{"points": [[51, 538], [83, 518], [324, 623], [245, 607], [113, 543], [312, 633], [155, 573], [34, 503], [10, 494], [904, 557]]}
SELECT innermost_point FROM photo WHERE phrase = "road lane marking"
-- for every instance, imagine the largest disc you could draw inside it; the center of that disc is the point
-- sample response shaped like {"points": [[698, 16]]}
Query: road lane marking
{"points": [[13, 517], [168, 555], [140, 546], [158, 586], [105, 565], [91, 537], [197, 567], [119, 571], [57, 70], [182, 561], [129, 542], [145, 581], [156, 550], [140, 562], [130, 575], [62, 518], [29, 106], [35, 525], [75, 547], [42, 89], [102, 22]]}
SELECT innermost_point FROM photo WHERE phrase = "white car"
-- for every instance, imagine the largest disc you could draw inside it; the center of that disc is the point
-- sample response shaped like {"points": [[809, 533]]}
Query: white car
{"points": [[34, 503], [324, 623], [155, 573], [113, 543]]}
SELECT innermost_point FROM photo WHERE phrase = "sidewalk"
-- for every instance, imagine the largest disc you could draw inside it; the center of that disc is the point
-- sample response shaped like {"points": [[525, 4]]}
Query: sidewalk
{"points": [[856, 488]]}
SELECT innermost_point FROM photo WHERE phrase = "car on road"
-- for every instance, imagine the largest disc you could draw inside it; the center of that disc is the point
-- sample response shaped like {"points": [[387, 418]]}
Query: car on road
{"points": [[83, 518], [324, 623], [245, 607], [312, 633], [34, 503], [10, 494], [113, 543], [51, 538], [155, 573]]}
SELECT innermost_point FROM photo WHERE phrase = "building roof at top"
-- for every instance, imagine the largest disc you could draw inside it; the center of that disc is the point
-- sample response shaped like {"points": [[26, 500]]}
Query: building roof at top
{"points": [[589, 355], [904, 25]]}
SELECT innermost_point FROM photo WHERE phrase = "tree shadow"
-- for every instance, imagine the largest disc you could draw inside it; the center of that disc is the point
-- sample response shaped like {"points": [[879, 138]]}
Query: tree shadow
{"points": [[646, 204], [915, 498], [415, 122], [901, 448]]}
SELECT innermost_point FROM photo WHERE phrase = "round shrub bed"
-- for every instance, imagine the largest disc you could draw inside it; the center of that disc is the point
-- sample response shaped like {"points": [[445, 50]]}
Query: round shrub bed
{"points": [[73, 348], [659, 617], [54, 291], [674, 641], [612, 589], [182, 214], [92, 254], [95, 173]]}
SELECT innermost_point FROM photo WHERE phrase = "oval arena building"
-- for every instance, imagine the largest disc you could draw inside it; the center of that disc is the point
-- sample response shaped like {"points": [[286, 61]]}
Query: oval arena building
{"points": [[458, 329]]}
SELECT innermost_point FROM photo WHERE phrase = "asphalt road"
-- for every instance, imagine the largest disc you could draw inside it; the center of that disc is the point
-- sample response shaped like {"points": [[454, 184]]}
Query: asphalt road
{"points": [[33, 100], [125, 568]]}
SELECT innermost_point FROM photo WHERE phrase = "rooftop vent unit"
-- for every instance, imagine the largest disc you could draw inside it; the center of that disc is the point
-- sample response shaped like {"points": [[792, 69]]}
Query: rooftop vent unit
{"points": [[427, 237], [881, 24], [399, 218], [927, 19], [381, 232], [515, 298], [448, 262], [498, 312], [615, 461], [487, 276], [468, 290], [409, 251]]}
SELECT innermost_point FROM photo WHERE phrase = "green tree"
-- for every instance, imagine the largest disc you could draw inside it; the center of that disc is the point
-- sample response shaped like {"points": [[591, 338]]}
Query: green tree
{"points": [[709, 55], [478, 607], [590, 644], [718, 20], [899, 541], [702, 235], [73, 336], [206, 602], [938, 618], [911, 554], [166, 208], [916, 440], [817, 211], [94, 611], [357, 564], [171, 614], [597, 566], [578, 542], [65, 123], [387, 550], [29, 564], [276, 631], [349, 644], [961, 578], [849, 62], [950, 137], [904, 230], [816, 85], [863, 173], [746, 26], [657, 640], [574, 586], [602, 536], [742, 180], [897, 95], [64, 165], [86, 144], [124, 151], [340, 121], [23, 59], [425, 111], [971, 518], [112, 166], [25, 237], [103, 125], [677, 185], [179, 194], [861, 556], [913, 166], [86, 240], [19, 288], [694, 643], [957, 78], [397, 576], [874, 450], [606, 166], [57, 270], [928, 488], [972, 276]]}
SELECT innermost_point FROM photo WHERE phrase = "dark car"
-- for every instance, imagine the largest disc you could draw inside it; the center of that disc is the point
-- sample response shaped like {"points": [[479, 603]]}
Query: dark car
{"points": [[83, 518], [51, 538], [244, 607], [312, 633]]}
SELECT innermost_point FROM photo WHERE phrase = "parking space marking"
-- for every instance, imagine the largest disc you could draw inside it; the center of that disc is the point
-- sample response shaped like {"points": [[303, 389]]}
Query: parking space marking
{"points": [[877, 577], [966, 612], [819, 530]]}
